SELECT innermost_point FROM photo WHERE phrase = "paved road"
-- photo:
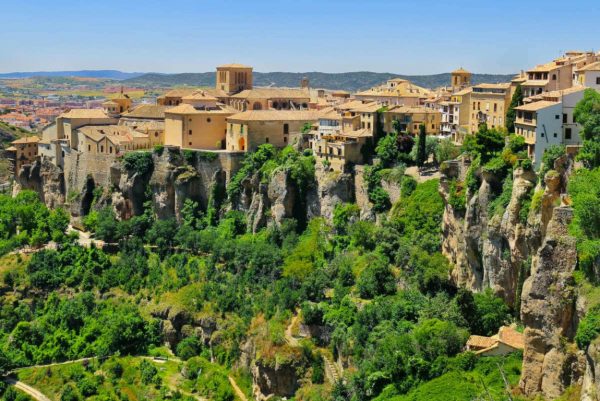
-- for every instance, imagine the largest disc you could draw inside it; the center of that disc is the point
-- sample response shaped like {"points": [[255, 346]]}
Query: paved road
{"points": [[32, 392]]}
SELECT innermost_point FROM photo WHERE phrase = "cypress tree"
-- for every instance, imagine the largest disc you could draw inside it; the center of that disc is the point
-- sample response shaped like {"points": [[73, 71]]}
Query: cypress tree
{"points": [[511, 113], [421, 150]]}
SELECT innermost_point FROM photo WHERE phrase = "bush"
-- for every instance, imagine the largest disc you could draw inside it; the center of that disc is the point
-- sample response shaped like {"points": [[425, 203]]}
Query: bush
{"points": [[551, 154], [158, 149], [457, 197], [588, 329], [188, 348], [376, 279], [138, 162]]}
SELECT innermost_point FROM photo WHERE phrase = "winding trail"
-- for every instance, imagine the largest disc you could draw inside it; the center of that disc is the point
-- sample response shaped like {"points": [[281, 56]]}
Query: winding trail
{"points": [[30, 391], [237, 389], [289, 338]]}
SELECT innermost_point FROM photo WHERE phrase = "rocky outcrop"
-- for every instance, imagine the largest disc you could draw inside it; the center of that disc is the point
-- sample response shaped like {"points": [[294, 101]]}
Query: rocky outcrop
{"points": [[548, 312], [279, 379], [331, 189], [590, 389], [46, 179]]}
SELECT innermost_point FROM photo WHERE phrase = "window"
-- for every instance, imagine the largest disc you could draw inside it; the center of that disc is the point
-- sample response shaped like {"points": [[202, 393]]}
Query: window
{"points": [[267, 140], [564, 118], [286, 129], [102, 149], [597, 80], [208, 120], [156, 134], [557, 116], [89, 148], [285, 139], [190, 132], [542, 135], [555, 135], [554, 77], [495, 107], [568, 133], [432, 126], [339, 152], [110, 149], [190, 143]]}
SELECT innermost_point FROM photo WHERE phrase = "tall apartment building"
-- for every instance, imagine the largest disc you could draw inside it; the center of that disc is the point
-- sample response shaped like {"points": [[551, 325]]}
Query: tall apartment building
{"points": [[487, 104]]}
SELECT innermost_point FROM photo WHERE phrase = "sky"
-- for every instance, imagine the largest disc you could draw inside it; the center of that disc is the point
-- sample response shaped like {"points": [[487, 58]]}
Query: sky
{"points": [[404, 37]]}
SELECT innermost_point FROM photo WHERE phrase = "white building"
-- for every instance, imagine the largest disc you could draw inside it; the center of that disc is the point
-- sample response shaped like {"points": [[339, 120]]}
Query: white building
{"points": [[548, 120], [450, 116]]}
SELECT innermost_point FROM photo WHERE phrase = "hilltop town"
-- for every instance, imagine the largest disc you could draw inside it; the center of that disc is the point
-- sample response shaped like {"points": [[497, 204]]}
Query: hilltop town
{"points": [[336, 126]]}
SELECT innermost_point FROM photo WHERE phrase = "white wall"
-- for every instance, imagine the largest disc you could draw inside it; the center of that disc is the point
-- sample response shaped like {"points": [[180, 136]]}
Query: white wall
{"points": [[548, 131]]}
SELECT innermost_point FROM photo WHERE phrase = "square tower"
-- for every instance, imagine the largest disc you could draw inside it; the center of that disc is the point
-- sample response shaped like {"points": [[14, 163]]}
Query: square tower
{"points": [[234, 78]]}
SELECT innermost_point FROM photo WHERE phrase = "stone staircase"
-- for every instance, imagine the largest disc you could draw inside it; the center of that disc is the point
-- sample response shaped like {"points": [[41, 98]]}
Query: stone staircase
{"points": [[331, 371]]}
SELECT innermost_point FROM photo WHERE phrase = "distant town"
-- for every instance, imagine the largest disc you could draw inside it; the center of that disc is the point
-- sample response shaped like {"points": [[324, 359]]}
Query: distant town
{"points": [[101, 117]]}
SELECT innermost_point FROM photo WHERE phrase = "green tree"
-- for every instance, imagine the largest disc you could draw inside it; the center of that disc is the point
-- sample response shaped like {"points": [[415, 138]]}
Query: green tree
{"points": [[587, 113], [511, 113], [387, 150], [421, 158]]}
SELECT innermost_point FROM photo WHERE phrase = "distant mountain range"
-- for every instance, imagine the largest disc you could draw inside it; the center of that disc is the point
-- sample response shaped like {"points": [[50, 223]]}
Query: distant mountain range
{"points": [[105, 74], [351, 81]]}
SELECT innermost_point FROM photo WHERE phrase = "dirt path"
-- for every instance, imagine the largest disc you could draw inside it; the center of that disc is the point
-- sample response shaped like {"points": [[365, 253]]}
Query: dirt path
{"points": [[237, 389], [30, 391], [291, 340]]}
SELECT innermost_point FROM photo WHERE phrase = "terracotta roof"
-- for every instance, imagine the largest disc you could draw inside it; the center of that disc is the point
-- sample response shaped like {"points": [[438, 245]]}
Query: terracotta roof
{"points": [[272, 93], [535, 82], [179, 92], [590, 67], [404, 88], [535, 106], [85, 113], [11, 149], [185, 108], [357, 133], [276, 115], [410, 109], [463, 92], [368, 108], [147, 111], [544, 67], [233, 65], [26, 139], [481, 342], [110, 102], [199, 95], [503, 85], [460, 71], [512, 337]]}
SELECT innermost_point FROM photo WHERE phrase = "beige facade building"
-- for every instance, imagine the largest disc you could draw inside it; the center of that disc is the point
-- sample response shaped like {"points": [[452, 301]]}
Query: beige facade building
{"points": [[23, 151], [270, 99], [488, 104], [249, 129], [411, 117], [396, 91], [557, 74]]}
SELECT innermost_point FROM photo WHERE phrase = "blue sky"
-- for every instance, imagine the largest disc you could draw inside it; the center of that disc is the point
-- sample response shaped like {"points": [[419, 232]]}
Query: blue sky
{"points": [[409, 37]]}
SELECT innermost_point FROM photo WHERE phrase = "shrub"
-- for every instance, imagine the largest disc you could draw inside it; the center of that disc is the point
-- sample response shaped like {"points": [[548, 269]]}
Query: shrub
{"points": [[588, 329], [457, 197], [551, 154], [158, 149], [138, 162]]}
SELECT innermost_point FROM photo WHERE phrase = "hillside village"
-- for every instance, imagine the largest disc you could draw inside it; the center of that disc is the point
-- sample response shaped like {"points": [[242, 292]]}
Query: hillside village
{"points": [[236, 117]]}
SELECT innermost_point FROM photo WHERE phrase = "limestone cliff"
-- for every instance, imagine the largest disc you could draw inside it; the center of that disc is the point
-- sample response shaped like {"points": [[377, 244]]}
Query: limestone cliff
{"points": [[46, 179], [527, 257]]}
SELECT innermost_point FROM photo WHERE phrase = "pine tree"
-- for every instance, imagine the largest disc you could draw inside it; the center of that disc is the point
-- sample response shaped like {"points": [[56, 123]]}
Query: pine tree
{"points": [[422, 148], [511, 113]]}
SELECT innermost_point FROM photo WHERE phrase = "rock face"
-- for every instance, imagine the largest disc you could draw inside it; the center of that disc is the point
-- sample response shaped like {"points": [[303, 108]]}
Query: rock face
{"points": [[548, 312], [590, 390], [528, 262], [46, 179], [279, 380]]}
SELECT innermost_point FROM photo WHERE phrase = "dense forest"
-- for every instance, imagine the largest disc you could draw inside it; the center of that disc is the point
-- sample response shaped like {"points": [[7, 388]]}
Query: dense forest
{"points": [[376, 296]]}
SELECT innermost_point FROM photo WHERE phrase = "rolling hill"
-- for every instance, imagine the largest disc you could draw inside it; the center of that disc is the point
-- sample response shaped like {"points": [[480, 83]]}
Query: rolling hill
{"points": [[351, 81]]}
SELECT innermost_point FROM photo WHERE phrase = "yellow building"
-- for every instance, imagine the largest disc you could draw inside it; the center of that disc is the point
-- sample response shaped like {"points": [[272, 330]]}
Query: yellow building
{"points": [[339, 149], [23, 151], [488, 104], [396, 91], [110, 140], [249, 129], [460, 79], [233, 78], [411, 117], [197, 128]]}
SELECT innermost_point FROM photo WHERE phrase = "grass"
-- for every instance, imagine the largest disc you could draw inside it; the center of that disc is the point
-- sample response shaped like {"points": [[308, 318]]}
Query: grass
{"points": [[52, 380], [468, 385]]}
